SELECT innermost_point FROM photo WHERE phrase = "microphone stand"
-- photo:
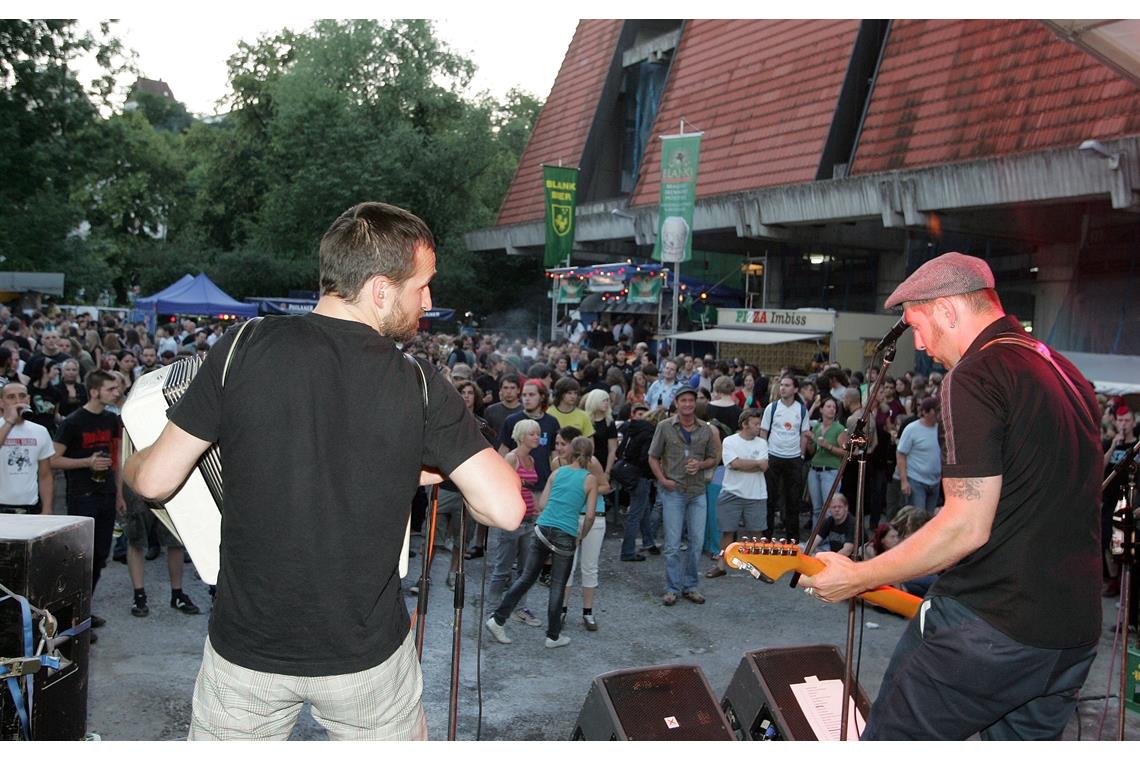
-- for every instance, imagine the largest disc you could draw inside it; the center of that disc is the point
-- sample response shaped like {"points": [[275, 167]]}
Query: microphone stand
{"points": [[425, 573], [457, 627], [1126, 524], [856, 449]]}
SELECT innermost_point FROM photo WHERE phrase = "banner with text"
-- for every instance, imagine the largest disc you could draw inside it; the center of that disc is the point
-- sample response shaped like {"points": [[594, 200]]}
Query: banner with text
{"points": [[644, 288], [560, 186], [679, 154]]}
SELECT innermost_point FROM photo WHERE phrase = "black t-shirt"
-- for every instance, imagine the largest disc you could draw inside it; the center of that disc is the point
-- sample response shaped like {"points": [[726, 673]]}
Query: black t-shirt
{"points": [[44, 405], [1006, 411], [83, 433], [838, 535], [603, 433], [496, 415], [322, 438], [68, 405], [729, 415]]}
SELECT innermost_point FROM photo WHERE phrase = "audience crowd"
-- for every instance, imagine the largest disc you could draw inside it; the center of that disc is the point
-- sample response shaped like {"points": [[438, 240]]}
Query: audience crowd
{"points": [[748, 450]]}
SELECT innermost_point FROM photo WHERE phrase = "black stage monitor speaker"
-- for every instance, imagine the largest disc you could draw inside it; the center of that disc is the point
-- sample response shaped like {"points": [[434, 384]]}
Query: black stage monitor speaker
{"points": [[47, 560], [759, 703], [652, 704]]}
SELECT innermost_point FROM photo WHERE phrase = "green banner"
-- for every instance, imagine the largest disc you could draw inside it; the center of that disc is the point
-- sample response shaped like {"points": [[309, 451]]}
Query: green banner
{"points": [[560, 187], [570, 290], [644, 288], [679, 154]]}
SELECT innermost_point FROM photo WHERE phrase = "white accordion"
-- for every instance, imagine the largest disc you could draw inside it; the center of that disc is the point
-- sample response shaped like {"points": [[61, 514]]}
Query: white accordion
{"points": [[194, 513]]}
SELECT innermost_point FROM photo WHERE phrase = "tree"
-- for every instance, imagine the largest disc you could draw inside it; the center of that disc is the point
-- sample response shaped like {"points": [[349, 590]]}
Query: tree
{"points": [[47, 121]]}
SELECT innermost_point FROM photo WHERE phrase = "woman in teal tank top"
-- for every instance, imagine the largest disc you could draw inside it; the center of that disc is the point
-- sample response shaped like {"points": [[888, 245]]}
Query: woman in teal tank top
{"points": [[569, 490]]}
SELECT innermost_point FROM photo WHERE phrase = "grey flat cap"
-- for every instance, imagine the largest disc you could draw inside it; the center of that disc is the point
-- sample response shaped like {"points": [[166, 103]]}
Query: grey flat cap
{"points": [[951, 274]]}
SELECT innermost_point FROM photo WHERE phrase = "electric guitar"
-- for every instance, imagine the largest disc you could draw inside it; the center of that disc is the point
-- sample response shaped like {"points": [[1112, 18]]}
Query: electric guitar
{"points": [[768, 560]]}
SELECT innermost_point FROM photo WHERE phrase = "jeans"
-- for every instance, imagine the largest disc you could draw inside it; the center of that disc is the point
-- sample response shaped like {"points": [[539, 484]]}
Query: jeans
{"points": [[559, 572], [638, 520], [507, 547], [681, 511], [785, 490], [819, 483], [924, 496], [586, 558], [100, 507], [953, 675]]}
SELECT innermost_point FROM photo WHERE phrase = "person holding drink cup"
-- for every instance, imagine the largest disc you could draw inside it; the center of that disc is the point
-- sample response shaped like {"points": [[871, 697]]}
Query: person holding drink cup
{"points": [[86, 447]]}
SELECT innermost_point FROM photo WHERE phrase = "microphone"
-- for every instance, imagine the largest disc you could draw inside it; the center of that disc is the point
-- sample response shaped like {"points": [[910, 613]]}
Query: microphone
{"points": [[893, 335]]}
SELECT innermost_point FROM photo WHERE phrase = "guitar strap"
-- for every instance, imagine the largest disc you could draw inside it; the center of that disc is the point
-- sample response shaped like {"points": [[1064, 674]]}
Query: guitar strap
{"points": [[1041, 350]]}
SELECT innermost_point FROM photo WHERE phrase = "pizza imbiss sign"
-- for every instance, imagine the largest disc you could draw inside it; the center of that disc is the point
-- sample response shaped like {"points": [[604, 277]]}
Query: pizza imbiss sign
{"points": [[778, 319]]}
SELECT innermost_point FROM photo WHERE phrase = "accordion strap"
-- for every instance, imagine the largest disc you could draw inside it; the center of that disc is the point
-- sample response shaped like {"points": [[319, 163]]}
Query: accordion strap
{"points": [[233, 346]]}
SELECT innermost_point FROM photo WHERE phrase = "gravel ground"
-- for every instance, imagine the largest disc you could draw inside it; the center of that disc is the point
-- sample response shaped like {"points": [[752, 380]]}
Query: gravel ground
{"points": [[143, 669]]}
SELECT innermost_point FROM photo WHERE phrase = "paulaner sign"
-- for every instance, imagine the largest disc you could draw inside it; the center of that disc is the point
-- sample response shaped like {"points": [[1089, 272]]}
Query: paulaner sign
{"points": [[782, 319]]}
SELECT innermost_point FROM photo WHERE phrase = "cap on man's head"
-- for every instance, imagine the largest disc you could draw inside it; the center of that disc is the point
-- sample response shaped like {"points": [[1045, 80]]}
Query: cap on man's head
{"points": [[683, 391], [639, 405], [951, 274]]}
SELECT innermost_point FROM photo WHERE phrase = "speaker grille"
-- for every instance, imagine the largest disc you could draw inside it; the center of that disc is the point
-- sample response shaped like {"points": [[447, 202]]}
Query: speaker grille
{"points": [[781, 667], [672, 703]]}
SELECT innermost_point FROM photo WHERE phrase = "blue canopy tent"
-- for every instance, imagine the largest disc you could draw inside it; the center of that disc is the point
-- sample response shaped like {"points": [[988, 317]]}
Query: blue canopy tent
{"points": [[191, 295]]}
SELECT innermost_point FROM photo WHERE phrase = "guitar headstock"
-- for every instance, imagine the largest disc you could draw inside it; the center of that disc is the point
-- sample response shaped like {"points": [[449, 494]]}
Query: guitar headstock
{"points": [[766, 560]]}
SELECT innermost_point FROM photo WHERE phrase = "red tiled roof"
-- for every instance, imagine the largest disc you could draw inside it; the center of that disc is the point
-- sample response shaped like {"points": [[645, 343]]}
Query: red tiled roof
{"points": [[564, 122], [960, 90], [763, 92]]}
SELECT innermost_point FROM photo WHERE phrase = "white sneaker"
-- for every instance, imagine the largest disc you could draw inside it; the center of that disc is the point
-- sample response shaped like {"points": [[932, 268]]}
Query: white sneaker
{"points": [[523, 615], [498, 631], [561, 641]]}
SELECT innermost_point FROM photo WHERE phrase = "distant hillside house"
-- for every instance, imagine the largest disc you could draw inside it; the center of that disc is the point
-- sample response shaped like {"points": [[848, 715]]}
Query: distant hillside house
{"points": [[155, 87]]}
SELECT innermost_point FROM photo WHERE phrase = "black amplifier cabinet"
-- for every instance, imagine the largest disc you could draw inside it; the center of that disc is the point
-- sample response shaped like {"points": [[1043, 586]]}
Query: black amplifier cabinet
{"points": [[668, 703], [759, 703], [47, 559]]}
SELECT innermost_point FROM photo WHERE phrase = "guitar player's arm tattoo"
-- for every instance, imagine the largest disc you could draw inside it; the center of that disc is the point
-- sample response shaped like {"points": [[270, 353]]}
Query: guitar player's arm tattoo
{"points": [[967, 489]]}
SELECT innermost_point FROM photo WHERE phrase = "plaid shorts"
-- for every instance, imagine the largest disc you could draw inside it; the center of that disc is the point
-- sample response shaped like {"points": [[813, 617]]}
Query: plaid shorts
{"points": [[232, 702]]}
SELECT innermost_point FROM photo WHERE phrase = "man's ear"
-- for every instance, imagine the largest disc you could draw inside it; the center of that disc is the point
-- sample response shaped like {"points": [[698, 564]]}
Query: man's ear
{"points": [[379, 289], [947, 309]]}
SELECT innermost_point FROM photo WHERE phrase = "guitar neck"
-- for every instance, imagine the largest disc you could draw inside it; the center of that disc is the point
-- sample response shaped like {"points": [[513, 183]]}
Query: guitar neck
{"points": [[888, 597]]}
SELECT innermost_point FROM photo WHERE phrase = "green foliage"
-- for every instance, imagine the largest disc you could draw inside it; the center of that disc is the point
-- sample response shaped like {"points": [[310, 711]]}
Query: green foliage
{"points": [[319, 120]]}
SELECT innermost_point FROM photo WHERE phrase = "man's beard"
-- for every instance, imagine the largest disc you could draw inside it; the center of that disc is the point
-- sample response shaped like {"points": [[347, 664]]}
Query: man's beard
{"points": [[400, 326]]}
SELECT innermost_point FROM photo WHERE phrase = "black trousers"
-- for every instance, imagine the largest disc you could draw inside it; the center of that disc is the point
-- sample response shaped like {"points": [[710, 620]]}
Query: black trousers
{"points": [[954, 675], [785, 492], [101, 507]]}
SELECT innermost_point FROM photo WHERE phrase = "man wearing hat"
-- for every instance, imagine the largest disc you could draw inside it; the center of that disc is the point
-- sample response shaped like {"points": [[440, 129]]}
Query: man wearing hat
{"points": [[1006, 636], [683, 448]]}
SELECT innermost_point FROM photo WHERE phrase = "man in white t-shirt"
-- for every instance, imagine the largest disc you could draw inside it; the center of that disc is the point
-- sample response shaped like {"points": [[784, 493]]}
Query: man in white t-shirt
{"points": [[26, 481], [743, 493], [787, 427]]}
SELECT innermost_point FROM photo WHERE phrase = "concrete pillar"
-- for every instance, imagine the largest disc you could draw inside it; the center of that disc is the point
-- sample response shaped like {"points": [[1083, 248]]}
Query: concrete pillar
{"points": [[1056, 264], [891, 272]]}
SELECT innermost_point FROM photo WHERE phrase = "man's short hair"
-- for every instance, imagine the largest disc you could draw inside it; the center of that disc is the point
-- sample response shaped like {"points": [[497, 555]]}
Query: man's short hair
{"points": [[746, 415], [97, 379], [537, 371], [511, 378], [724, 385], [368, 240], [563, 386]]}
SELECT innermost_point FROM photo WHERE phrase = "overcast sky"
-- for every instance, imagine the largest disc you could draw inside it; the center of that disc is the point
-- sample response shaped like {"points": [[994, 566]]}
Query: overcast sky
{"points": [[189, 54]]}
